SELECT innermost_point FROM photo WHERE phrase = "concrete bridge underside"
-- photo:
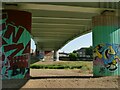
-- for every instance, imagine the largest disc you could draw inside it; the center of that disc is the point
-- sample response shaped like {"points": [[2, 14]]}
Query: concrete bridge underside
{"points": [[55, 24]]}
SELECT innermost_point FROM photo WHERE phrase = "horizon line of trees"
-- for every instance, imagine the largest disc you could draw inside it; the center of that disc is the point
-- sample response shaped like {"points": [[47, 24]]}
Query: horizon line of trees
{"points": [[75, 56]]}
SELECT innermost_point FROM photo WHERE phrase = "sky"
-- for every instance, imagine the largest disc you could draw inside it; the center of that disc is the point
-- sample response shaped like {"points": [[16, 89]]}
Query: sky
{"points": [[77, 43]]}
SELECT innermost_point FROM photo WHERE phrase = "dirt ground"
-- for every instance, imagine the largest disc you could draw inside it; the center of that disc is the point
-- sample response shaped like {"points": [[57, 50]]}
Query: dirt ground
{"points": [[43, 78]]}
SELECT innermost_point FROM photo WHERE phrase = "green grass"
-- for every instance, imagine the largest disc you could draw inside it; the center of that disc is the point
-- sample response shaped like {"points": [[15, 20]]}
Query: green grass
{"points": [[84, 65], [54, 67]]}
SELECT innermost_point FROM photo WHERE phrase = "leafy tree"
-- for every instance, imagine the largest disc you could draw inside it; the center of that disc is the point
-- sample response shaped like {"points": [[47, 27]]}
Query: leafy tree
{"points": [[89, 51], [73, 56]]}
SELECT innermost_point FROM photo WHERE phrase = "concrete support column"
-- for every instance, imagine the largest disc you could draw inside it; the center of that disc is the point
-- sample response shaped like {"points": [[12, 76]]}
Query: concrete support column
{"points": [[36, 51], [16, 29], [56, 55], [106, 42], [42, 55]]}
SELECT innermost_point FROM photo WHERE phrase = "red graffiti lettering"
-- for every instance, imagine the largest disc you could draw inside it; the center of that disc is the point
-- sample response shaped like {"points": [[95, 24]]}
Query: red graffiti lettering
{"points": [[11, 30], [18, 48]]}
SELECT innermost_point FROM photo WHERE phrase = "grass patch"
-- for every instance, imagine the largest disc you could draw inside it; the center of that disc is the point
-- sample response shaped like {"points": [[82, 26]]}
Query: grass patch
{"points": [[54, 67], [83, 65]]}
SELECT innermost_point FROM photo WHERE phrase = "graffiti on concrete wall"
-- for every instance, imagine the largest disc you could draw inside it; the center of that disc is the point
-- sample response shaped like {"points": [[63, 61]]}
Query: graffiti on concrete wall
{"points": [[15, 48], [106, 57]]}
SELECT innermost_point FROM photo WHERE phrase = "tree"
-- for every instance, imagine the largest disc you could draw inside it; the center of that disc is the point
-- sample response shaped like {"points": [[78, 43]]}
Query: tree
{"points": [[89, 51], [73, 56]]}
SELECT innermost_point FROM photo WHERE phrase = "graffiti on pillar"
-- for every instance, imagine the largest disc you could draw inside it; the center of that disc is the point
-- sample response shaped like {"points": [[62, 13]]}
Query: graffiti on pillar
{"points": [[107, 56], [15, 49]]}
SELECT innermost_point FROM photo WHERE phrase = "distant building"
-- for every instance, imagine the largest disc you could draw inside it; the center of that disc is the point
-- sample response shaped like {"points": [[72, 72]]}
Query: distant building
{"points": [[82, 52], [48, 55], [62, 54]]}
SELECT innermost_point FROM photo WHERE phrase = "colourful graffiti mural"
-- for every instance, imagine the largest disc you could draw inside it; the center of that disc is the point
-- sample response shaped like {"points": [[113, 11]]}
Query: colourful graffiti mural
{"points": [[15, 34], [106, 58]]}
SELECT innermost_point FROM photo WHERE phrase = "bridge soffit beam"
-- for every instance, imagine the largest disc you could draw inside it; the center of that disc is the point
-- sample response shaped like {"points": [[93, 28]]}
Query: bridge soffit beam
{"points": [[42, 29], [66, 24], [29, 6], [54, 18], [55, 29]]}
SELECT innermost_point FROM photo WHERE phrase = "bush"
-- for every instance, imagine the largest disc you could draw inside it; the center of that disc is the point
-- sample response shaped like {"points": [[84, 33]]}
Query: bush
{"points": [[75, 67], [73, 56]]}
